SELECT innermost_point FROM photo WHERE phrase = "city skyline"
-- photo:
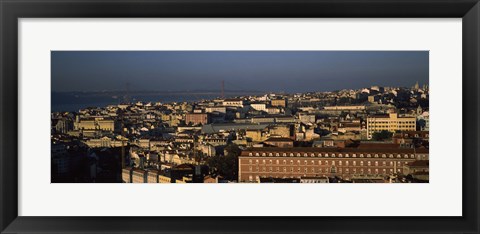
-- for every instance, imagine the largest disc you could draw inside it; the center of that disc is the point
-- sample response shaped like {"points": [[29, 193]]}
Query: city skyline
{"points": [[271, 71]]}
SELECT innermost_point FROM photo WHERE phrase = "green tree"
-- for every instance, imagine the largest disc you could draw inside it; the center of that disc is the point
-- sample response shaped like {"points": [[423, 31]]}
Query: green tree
{"points": [[382, 135]]}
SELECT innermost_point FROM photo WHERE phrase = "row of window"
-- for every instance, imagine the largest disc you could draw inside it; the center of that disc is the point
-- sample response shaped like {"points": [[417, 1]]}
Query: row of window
{"points": [[326, 162], [389, 122], [330, 155], [322, 170], [390, 126]]}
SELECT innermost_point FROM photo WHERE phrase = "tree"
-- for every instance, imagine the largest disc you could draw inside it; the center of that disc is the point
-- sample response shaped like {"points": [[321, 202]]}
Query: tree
{"points": [[226, 165], [382, 135]]}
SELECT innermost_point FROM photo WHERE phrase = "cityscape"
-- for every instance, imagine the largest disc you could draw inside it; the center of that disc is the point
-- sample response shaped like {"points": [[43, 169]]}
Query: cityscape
{"points": [[241, 130]]}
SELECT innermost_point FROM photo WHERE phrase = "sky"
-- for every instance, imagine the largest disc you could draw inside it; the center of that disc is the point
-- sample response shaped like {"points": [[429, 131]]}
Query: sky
{"points": [[269, 71]]}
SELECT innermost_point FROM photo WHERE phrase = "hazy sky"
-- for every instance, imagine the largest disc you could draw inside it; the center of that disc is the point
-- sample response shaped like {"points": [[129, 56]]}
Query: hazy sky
{"points": [[287, 71]]}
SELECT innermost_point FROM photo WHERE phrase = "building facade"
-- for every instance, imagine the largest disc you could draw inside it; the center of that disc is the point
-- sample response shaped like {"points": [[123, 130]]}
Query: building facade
{"points": [[197, 118], [391, 123], [279, 102], [346, 163]]}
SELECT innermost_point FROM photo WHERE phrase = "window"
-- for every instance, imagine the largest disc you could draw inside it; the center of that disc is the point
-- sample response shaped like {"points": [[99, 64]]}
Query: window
{"points": [[376, 163], [361, 155], [354, 163], [250, 168], [277, 154], [361, 163], [270, 154], [369, 163], [346, 156], [256, 161], [250, 154], [354, 155], [305, 162], [384, 156], [340, 163], [263, 154], [250, 161], [256, 154]]}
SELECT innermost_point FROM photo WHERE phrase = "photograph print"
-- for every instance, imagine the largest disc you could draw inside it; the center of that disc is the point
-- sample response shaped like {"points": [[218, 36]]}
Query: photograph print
{"points": [[239, 117]]}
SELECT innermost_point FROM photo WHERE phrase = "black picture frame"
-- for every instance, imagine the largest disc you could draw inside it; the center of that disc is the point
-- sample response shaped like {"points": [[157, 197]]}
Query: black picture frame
{"points": [[11, 11]]}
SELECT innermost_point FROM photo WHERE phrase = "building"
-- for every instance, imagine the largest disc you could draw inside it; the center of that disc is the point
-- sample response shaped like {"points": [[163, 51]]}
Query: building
{"points": [[197, 118], [127, 175], [347, 163], [259, 106], [139, 176], [314, 180], [279, 102], [95, 124], [153, 176], [236, 102], [345, 108], [418, 169], [279, 142], [219, 109], [391, 122]]}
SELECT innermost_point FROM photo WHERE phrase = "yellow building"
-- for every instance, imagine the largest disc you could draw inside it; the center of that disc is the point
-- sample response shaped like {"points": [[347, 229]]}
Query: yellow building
{"points": [[95, 124], [279, 102], [391, 123], [255, 135]]}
